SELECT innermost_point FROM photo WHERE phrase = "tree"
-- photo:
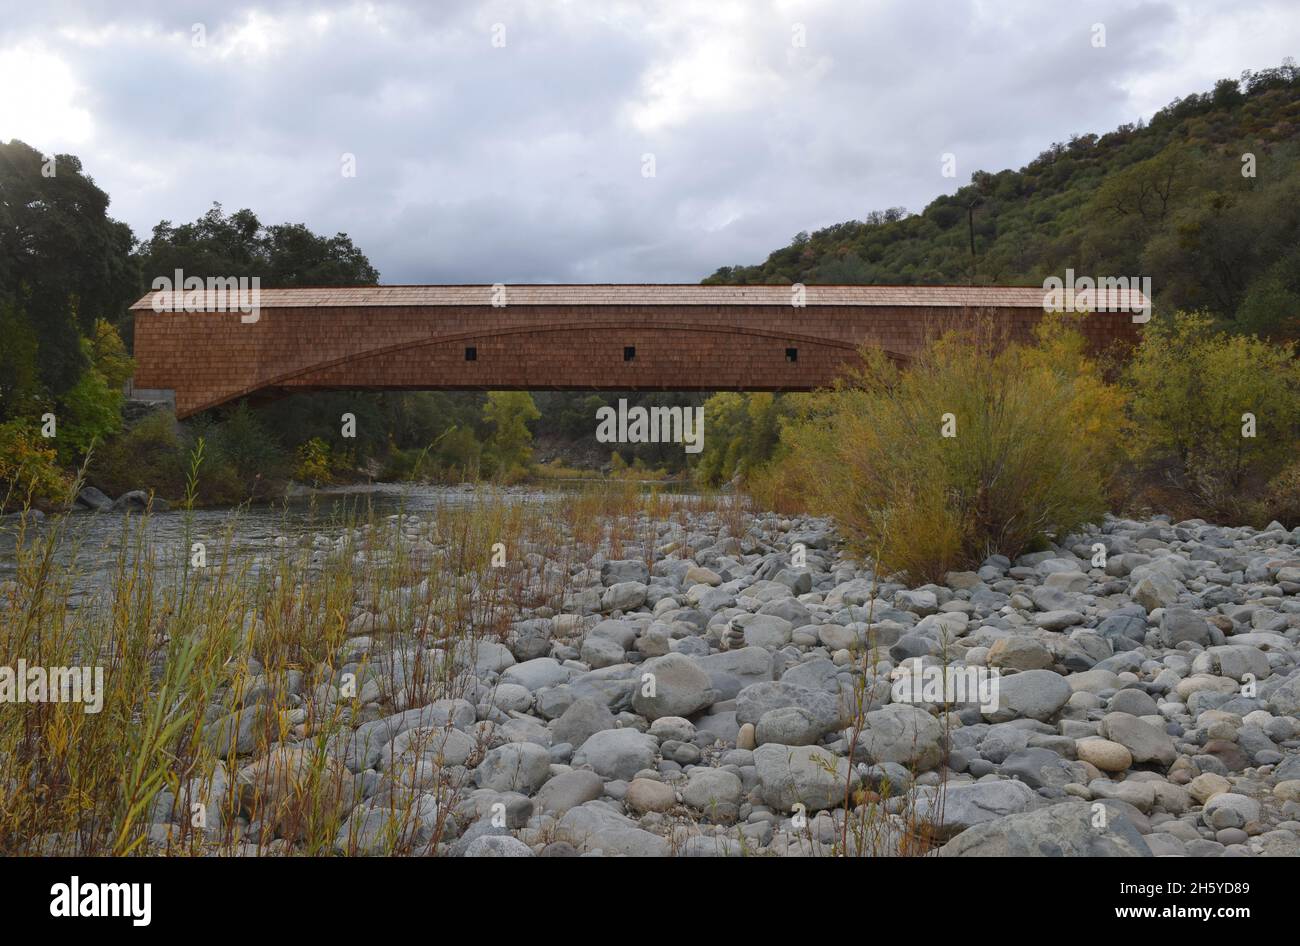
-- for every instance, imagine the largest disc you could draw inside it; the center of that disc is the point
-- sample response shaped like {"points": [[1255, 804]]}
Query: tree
{"points": [[507, 450], [20, 383], [1223, 410], [64, 263], [281, 256]]}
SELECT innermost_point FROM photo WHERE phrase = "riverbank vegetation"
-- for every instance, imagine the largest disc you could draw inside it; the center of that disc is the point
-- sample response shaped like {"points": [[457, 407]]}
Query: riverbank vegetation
{"points": [[285, 652], [977, 447]]}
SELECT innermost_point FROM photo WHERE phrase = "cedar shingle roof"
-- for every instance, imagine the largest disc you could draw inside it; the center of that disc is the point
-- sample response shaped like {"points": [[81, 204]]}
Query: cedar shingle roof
{"points": [[651, 295]]}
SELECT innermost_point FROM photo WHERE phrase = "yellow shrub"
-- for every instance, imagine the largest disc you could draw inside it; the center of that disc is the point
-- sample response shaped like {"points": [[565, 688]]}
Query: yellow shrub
{"points": [[314, 462], [29, 469], [975, 447]]}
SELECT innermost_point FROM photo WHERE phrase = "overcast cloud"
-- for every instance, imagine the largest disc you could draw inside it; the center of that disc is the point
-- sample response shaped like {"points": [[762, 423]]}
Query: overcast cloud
{"points": [[524, 162]]}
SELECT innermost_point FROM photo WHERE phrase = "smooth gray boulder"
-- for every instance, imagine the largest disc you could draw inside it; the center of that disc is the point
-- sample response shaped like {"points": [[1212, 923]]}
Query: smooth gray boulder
{"points": [[732, 670], [807, 775], [597, 827], [1062, 830], [618, 753], [582, 720], [758, 699], [715, 792], [904, 734], [93, 499], [1180, 624], [569, 790], [1144, 741], [789, 726], [1032, 694], [671, 685], [520, 767], [497, 845], [961, 807]]}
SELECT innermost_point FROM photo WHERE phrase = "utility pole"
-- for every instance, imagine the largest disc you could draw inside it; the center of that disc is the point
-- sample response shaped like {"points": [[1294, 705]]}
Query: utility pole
{"points": [[970, 222]]}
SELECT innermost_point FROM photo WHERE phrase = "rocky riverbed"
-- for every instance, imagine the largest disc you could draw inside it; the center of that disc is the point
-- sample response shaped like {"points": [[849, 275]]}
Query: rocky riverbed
{"points": [[737, 696]]}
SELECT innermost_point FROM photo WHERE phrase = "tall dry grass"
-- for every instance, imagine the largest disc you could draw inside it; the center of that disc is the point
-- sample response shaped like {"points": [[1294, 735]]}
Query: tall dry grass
{"points": [[252, 641]]}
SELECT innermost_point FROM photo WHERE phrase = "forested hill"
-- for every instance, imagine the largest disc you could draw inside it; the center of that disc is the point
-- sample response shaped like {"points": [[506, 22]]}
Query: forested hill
{"points": [[1173, 199]]}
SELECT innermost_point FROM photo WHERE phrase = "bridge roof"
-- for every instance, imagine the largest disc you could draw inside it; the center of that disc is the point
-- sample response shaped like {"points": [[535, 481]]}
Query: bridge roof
{"points": [[656, 294]]}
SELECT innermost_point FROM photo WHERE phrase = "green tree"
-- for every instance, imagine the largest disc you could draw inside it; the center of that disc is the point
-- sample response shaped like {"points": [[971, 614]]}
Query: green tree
{"points": [[1223, 411], [89, 413], [20, 383], [64, 263], [508, 453], [239, 244]]}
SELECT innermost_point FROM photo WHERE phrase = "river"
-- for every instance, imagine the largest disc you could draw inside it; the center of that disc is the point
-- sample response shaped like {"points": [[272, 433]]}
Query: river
{"points": [[96, 540]]}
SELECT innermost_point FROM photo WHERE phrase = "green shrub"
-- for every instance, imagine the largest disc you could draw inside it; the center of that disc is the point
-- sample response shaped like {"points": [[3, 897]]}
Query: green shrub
{"points": [[1196, 393], [243, 440], [314, 465], [149, 455], [742, 432], [459, 453], [1281, 498], [89, 412]]}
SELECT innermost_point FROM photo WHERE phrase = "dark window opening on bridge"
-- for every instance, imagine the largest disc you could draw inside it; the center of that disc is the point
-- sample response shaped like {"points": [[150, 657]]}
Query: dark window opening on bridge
{"points": [[629, 353], [792, 354], [471, 353]]}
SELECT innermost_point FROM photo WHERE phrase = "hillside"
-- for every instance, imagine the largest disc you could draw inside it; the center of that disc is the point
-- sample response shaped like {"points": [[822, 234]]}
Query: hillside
{"points": [[1176, 199]]}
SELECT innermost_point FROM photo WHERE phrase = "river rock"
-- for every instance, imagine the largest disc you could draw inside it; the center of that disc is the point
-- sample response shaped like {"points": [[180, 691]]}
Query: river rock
{"points": [[1033, 694], [680, 687], [618, 753], [1062, 830], [520, 767], [811, 775]]}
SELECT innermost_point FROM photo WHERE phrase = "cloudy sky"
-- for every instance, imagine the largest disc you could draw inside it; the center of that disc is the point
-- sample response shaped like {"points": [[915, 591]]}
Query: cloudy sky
{"points": [[507, 140]]}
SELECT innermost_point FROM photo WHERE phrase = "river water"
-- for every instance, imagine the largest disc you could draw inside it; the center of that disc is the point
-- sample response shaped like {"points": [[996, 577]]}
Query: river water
{"points": [[96, 540]]}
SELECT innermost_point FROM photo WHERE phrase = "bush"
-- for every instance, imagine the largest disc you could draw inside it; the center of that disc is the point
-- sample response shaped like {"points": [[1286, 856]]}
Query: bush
{"points": [[458, 453], [1281, 499], [451, 457], [29, 469], [89, 412], [507, 454], [742, 432], [1192, 389], [1036, 433], [149, 455], [314, 464]]}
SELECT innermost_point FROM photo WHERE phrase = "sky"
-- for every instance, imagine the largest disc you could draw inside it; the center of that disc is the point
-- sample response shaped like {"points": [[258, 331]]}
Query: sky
{"points": [[530, 141]]}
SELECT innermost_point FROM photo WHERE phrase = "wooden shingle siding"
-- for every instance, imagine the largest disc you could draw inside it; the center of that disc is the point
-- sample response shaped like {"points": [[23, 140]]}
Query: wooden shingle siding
{"points": [[699, 338]]}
